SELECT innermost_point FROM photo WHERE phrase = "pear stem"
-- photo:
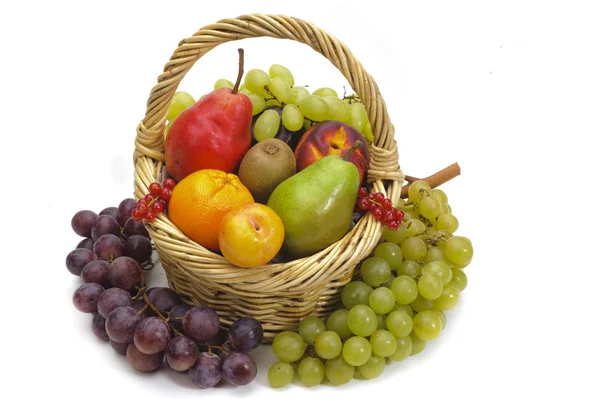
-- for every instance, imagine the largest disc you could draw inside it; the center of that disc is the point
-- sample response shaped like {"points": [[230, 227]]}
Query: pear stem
{"points": [[240, 72], [436, 179], [357, 144]]}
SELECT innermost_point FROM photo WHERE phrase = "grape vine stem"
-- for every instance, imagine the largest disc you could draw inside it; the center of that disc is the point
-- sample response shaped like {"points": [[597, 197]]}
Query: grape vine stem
{"points": [[435, 180]]}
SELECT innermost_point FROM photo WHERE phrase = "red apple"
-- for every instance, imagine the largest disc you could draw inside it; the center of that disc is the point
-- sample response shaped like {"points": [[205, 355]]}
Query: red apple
{"points": [[332, 138]]}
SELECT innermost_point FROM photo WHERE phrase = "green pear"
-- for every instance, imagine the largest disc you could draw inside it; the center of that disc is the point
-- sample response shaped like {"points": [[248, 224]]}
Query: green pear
{"points": [[317, 203]]}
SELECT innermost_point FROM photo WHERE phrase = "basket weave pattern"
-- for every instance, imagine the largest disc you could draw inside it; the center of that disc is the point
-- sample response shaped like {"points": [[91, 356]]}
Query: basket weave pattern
{"points": [[278, 295]]}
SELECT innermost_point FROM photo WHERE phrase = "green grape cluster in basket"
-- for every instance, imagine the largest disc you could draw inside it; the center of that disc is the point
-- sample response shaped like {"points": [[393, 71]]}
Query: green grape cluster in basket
{"points": [[394, 306]]}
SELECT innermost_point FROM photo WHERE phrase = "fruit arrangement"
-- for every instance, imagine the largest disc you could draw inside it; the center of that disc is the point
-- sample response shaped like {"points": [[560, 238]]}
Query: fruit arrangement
{"points": [[280, 212]]}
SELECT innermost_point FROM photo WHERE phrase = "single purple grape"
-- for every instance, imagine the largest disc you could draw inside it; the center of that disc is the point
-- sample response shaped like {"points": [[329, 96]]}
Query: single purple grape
{"points": [[151, 335], [181, 353], [77, 259], [120, 348], [111, 299], [96, 271], [87, 243], [125, 208], [207, 372], [164, 299], [86, 297], [125, 273], [105, 224], [108, 247], [201, 323], [121, 324], [246, 334], [82, 222], [139, 248], [111, 211], [135, 227], [143, 362], [239, 368], [99, 328]]}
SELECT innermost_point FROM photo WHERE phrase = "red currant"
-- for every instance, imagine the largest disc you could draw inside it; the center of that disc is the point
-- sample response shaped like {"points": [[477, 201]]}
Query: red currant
{"points": [[166, 194], [362, 192], [388, 217], [149, 198], [377, 212], [379, 197], [371, 196], [158, 207], [399, 215], [142, 208], [137, 215], [154, 189], [394, 225], [387, 204], [169, 183], [143, 202], [149, 217], [363, 204]]}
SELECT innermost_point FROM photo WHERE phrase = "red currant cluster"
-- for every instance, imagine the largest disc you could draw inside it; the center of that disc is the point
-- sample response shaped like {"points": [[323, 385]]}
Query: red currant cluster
{"points": [[155, 201], [381, 208]]}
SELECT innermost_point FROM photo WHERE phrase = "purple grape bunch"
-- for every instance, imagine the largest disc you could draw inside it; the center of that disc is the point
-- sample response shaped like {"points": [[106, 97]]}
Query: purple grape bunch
{"points": [[152, 326]]}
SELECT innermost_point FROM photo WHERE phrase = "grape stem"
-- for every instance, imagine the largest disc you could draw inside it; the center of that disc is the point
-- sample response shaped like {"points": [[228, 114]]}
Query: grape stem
{"points": [[435, 180], [240, 71]]}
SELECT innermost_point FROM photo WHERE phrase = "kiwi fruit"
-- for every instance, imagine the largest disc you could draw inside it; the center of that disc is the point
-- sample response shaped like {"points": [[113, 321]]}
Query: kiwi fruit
{"points": [[264, 166]]}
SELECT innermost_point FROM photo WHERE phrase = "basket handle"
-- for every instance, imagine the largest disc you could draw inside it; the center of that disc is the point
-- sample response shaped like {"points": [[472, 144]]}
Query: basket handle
{"points": [[149, 141]]}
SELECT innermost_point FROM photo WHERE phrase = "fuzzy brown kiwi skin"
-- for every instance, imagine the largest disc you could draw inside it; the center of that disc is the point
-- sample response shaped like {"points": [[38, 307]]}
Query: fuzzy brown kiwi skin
{"points": [[265, 166]]}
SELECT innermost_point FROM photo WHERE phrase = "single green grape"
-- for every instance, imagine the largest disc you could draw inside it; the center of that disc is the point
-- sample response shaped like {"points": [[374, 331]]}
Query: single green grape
{"points": [[356, 351], [430, 208], [280, 374], [279, 71], [372, 368], [383, 343], [399, 323], [410, 268], [356, 292], [338, 371], [413, 248], [311, 371], [448, 222], [430, 231], [292, 118], [258, 103], [439, 269], [314, 108], [427, 325], [256, 80], [420, 304], [327, 344], [404, 308], [358, 116], [448, 299], [267, 125], [338, 110], [403, 349], [309, 327], [181, 100], [418, 190], [430, 286], [368, 132], [375, 271], [411, 215], [338, 323], [434, 253], [297, 93], [382, 300], [362, 321], [404, 289], [220, 83], [396, 237], [439, 195], [389, 252], [325, 92], [280, 89], [459, 251], [288, 346], [417, 344], [442, 317], [459, 278], [415, 227]]}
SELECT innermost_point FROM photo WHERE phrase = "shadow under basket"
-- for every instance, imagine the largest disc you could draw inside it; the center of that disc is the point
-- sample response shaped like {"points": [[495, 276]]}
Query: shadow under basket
{"points": [[278, 295]]}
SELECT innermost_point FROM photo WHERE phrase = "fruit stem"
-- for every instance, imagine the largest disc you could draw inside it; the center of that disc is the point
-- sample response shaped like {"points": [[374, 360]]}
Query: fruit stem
{"points": [[436, 179], [354, 147], [240, 71]]}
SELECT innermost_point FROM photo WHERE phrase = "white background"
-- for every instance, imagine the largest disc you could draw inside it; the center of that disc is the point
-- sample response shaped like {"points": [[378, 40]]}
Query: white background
{"points": [[509, 89]]}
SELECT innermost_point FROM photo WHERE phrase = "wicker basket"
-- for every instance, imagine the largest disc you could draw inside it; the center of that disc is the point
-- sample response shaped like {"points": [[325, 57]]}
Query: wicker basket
{"points": [[278, 295]]}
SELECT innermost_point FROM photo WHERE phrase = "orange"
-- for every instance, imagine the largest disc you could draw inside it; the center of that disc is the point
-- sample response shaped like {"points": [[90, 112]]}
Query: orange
{"points": [[201, 200]]}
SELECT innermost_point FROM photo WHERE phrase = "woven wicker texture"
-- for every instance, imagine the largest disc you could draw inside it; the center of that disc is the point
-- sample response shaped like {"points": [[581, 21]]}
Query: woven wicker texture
{"points": [[278, 295]]}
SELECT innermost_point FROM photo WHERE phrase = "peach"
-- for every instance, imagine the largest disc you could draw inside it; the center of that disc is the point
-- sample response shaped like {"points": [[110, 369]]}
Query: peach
{"points": [[332, 138], [251, 235]]}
